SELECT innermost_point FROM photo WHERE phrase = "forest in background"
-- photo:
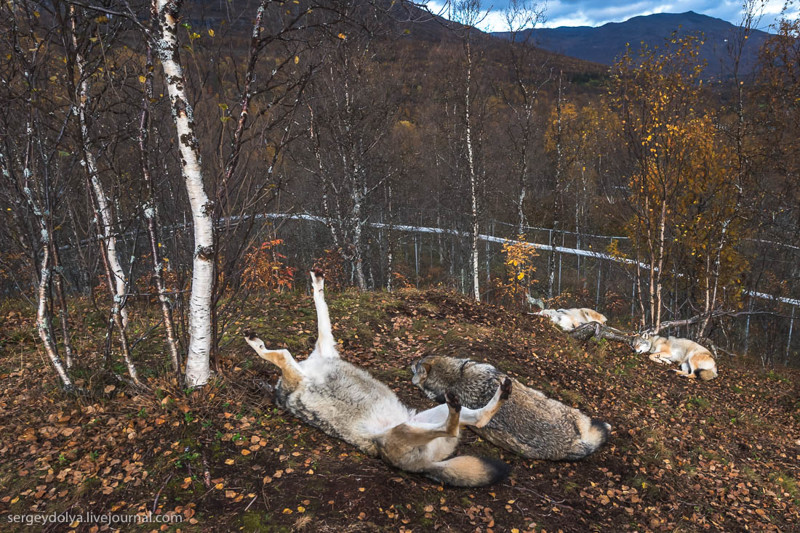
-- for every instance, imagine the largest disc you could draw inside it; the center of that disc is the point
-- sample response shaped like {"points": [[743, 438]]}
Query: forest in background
{"points": [[143, 147]]}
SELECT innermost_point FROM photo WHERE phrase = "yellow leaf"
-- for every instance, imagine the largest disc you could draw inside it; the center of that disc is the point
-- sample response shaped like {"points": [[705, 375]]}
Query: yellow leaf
{"points": [[142, 79], [211, 32], [342, 36], [296, 59]]}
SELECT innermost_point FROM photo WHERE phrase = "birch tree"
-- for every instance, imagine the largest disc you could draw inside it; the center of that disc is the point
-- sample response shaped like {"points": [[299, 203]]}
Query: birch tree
{"points": [[351, 116], [198, 369], [469, 13], [521, 16]]}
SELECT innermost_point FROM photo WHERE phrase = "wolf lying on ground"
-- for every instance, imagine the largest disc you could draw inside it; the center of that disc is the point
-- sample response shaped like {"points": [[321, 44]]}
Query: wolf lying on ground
{"points": [[529, 424], [695, 360], [346, 402], [569, 319]]}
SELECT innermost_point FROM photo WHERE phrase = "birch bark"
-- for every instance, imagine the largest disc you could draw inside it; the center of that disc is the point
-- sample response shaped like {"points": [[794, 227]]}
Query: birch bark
{"points": [[151, 214], [198, 368], [106, 222]]}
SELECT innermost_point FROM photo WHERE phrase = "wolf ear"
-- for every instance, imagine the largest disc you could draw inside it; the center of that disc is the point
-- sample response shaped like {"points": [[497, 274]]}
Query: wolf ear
{"points": [[421, 368]]}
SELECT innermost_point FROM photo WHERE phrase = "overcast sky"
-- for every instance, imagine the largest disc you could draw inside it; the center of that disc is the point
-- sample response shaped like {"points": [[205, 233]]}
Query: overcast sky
{"points": [[597, 13]]}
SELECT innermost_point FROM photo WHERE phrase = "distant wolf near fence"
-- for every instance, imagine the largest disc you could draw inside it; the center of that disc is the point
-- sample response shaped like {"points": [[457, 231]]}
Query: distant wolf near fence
{"points": [[569, 319], [695, 360], [529, 424], [346, 402]]}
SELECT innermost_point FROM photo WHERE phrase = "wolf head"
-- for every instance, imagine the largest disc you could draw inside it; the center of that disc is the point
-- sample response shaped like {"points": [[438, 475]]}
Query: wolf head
{"points": [[642, 343], [473, 383]]}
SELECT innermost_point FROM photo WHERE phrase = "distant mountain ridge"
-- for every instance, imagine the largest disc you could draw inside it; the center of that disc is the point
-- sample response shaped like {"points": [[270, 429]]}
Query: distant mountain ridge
{"points": [[606, 43]]}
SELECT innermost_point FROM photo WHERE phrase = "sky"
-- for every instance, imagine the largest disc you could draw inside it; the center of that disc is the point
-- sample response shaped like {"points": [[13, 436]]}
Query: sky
{"points": [[597, 13]]}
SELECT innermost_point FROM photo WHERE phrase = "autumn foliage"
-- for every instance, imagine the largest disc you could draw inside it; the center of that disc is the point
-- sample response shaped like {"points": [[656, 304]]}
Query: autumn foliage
{"points": [[265, 269], [518, 260]]}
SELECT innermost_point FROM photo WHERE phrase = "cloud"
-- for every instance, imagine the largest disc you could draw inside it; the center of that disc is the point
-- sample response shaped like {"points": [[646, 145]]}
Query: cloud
{"points": [[594, 13]]}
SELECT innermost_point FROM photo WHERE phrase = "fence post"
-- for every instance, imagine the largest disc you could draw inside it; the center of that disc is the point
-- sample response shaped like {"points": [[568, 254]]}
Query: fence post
{"points": [[747, 329], [599, 275], [789, 340], [416, 258]]}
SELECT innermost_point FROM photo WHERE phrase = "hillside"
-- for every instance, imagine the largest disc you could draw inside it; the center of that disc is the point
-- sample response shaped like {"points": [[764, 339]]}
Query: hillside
{"points": [[604, 44], [683, 455]]}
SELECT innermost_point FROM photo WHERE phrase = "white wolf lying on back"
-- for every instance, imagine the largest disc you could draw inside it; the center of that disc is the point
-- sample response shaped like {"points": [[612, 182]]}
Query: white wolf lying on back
{"points": [[569, 319], [346, 402]]}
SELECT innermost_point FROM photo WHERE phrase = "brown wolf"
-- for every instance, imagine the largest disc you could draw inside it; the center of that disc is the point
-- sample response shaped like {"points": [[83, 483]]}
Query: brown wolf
{"points": [[346, 402], [529, 424], [695, 360]]}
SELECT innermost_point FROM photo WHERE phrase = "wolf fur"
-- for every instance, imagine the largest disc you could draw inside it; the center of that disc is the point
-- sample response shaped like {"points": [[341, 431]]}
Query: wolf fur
{"points": [[569, 319], [346, 402], [695, 360], [529, 424]]}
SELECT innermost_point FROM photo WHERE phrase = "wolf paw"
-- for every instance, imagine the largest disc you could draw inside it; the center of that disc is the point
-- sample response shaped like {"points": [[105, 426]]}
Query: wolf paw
{"points": [[452, 402], [505, 389]]}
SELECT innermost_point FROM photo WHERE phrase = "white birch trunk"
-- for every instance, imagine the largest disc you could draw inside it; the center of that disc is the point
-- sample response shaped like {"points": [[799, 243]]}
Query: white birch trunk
{"points": [[198, 358], [473, 179], [43, 321], [151, 215], [106, 222], [44, 324]]}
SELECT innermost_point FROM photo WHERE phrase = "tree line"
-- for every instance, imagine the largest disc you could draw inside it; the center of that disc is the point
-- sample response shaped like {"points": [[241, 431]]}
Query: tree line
{"points": [[142, 144]]}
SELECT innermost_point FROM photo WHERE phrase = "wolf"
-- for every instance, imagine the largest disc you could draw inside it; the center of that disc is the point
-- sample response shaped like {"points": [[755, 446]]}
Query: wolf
{"points": [[695, 360], [346, 402], [569, 319], [529, 424]]}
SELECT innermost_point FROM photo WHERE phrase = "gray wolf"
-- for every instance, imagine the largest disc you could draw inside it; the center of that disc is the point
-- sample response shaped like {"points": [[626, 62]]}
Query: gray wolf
{"points": [[569, 319], [529, 423], [346, 402], [695, 360]]}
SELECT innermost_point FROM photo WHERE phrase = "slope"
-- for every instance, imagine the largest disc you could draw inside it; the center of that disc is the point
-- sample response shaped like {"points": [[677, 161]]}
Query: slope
{"points": [[683, 456]]}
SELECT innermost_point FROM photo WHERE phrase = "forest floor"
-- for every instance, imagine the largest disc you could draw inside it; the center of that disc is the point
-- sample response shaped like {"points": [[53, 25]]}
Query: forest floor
{"points": [[683, 455]]}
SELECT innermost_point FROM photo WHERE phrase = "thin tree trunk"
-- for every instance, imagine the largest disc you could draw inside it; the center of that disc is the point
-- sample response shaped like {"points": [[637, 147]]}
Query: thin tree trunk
{"points": [[557, 200], [151, 215], [198, 368], [63, 312], [106, 216], [43, 318], [44, 323], [116, 316], [473, 178], [661, 236]]}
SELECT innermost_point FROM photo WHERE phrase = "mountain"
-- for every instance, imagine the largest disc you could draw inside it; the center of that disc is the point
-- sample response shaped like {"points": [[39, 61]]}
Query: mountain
{"points": [[604, 44]]}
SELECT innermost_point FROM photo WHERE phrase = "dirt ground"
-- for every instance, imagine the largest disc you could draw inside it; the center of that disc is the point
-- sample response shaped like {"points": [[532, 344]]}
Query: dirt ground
{"points": [[683, 456]]}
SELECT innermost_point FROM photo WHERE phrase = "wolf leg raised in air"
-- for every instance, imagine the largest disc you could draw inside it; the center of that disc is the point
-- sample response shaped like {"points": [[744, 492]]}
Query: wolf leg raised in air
{"points": [[347, 402]]}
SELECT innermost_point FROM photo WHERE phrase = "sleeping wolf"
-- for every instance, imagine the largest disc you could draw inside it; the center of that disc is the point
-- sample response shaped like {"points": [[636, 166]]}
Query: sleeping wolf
{"points": [[695, 360], [529, 424], [346, 402], [569, 319]]}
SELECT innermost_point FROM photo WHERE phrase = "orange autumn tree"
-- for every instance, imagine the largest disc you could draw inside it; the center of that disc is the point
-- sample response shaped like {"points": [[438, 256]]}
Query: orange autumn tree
{"points": [[518, 261], [265, 270], [708, 222], [682, 206]]}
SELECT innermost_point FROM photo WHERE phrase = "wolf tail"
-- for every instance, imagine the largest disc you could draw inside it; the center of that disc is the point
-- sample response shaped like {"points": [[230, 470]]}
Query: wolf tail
{"points": [[706, 374], [591, 439], [468, 471]]}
